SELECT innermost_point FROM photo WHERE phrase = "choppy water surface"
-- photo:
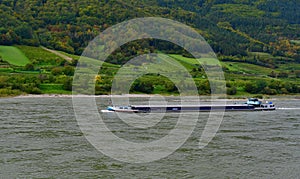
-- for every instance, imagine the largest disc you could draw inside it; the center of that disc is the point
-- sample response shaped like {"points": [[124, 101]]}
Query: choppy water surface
{"points": [[40, 138]]}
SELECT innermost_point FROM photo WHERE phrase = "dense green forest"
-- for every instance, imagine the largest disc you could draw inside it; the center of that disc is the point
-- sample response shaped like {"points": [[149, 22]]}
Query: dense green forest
{"points": [[256, 40], [231, 27]]}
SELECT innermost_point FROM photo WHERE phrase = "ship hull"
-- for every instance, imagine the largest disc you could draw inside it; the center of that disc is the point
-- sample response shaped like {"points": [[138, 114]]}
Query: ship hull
{"points": [[178, 108], [251, 105]]}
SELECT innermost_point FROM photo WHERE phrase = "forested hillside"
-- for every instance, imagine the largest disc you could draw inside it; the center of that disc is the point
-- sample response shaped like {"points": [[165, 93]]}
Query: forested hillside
{"points": [[231, 27], [257, 42]]}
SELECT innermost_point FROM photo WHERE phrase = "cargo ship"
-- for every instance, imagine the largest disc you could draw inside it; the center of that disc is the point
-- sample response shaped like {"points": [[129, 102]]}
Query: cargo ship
{"points": [[252, 104]]}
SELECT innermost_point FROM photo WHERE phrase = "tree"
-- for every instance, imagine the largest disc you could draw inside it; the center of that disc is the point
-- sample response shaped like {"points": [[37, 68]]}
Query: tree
{"points": [[29, 67], [251, 88], [24, 31], [269, 91], [68, 70], [67, 85], [57, 71], [143, 86], [261, 84], [170, 86], [231, 90]]}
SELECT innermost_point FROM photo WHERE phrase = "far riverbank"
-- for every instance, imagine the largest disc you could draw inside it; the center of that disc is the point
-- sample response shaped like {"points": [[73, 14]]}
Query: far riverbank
{"points": [[228, 97]]}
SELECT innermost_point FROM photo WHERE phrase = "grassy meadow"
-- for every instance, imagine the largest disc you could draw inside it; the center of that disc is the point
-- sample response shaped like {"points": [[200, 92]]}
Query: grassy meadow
{"points": [[13, 55], [40, 57], [53, 89]]}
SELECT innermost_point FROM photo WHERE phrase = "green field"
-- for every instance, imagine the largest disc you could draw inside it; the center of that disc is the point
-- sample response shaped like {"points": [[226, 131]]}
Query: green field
{"points": [[293, 66], [13, 55], [39, 56], [191, 63], [53, 89], [261, 54], [240, 67], [245, 68], [6, 70]]}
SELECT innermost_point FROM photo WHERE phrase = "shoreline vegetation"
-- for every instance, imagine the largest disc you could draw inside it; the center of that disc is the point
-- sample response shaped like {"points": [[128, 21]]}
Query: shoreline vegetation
{"points": [[49, 73], [201, 97]]}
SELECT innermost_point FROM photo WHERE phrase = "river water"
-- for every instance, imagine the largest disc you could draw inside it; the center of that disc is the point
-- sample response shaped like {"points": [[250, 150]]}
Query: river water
{"points": [[40, 138]]}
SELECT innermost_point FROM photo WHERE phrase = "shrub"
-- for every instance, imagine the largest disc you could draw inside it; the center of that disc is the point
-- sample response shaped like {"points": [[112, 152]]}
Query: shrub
{"points": [[251, 88], [29, 67], [231, 90], [143, 86], [67, 85], [259, 96], [269, 91], [57, 71], [35, 90], [68, 70]]}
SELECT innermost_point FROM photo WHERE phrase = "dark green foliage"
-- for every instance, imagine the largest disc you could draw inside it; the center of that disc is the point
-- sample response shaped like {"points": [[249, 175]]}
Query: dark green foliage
{"points": [[288, 10], [24, 31], [231, 90], [29, 67], [261, 84], [273, 87], [67, 85], [203, 87], [70, 25], [143, 86], [154, 83], [270, 91], [28, 84], [57, 71], [170, 87], [251, 88], [68, 70], [256, 87], [34, 84]]}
